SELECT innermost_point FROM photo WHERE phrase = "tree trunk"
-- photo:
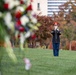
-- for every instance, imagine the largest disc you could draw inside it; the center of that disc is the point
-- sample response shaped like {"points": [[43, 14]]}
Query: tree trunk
{"points": [[70, 46]]}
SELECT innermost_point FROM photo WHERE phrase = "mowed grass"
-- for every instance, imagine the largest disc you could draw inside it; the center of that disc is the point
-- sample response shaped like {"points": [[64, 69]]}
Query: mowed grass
{"points": [[43, 63]]}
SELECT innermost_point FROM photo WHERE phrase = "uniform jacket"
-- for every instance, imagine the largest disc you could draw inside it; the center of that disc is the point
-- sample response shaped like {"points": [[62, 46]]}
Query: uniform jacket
{"points": [[56, 36]]}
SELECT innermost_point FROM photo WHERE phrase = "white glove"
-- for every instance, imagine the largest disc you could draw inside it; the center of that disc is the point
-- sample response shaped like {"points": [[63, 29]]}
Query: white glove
{"points": [[57, 29]]}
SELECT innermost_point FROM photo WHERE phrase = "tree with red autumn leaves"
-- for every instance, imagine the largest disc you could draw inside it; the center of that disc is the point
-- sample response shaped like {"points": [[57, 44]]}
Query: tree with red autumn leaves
{"points": [[44, 31]]}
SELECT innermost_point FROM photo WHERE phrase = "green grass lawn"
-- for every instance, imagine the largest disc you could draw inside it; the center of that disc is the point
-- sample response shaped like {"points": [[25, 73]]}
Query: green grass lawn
{"points": [[43, 63]]}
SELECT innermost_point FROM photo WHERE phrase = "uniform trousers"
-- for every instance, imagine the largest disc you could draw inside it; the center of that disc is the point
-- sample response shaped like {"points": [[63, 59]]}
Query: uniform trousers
{"points": [[56, 49]]}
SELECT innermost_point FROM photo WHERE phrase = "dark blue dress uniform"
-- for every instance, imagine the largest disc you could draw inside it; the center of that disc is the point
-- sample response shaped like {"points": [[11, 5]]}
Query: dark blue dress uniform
{"points": [[56, 41]]}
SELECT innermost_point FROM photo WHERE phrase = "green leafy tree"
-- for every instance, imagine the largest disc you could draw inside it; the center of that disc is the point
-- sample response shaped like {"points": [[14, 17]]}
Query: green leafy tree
{"points": [[69, 33]]}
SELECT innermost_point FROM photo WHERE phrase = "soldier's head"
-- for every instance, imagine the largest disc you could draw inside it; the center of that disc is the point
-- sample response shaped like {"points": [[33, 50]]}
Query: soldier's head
{"points": [[55, 25]]}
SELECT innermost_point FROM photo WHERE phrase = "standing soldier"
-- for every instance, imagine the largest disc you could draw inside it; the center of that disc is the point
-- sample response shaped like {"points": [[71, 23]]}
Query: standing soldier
{"points": [[56, 39]]}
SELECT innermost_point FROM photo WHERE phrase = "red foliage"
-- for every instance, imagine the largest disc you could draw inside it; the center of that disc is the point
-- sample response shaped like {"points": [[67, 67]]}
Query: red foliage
{"points": [[44, 31], [46, 26], [73, 45]]}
